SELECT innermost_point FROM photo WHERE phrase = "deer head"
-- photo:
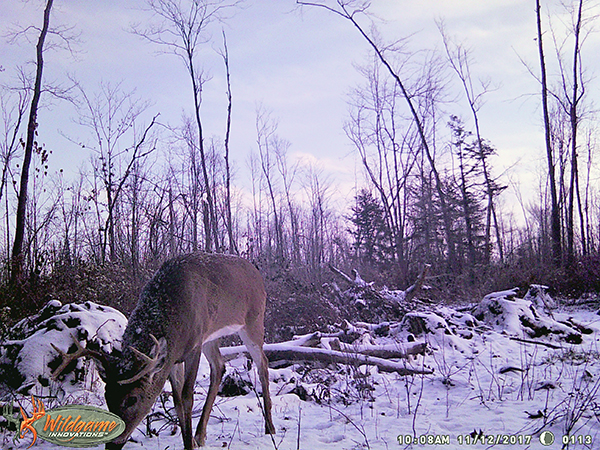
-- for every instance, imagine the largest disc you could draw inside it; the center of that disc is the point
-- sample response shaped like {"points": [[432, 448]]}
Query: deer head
{"points": [[132, 397], [126, 395], [189, 303]]}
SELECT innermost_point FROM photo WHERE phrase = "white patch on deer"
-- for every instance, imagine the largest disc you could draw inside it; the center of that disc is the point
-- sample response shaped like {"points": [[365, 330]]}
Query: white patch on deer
{"points": [[225, 331]]}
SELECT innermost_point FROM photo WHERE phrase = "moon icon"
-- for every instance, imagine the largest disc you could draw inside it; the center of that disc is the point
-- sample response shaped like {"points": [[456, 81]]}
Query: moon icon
{"points": [[546, 438]]}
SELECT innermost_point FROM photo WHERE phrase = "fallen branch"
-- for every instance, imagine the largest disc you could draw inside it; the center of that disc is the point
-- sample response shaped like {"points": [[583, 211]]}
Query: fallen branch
{"points": [[415, 288], [341, 274], [531, 341]]}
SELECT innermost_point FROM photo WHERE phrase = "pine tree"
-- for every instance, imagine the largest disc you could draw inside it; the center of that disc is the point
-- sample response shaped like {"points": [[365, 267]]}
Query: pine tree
{"points": [[372, 237]]}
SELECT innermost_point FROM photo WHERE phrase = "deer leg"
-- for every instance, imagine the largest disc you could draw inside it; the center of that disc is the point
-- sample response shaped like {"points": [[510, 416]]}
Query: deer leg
{"points": [[186, 397], [217, 368], [253, 338], [176, 379]]}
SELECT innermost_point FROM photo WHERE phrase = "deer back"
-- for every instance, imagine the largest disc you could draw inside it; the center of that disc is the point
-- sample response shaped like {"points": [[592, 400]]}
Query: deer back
{"points": [[193, 299]]}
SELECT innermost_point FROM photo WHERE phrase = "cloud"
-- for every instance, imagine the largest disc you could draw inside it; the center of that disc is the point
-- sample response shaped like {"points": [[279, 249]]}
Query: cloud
{"points": [[330, 165]]}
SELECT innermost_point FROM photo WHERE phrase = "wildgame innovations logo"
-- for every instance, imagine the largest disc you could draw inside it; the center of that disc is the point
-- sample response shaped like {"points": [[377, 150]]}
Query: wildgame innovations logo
{"points": [[70, 426]]}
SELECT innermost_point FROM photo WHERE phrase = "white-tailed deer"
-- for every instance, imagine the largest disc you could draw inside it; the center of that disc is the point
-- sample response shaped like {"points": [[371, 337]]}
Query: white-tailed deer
{"points": [[189, 303]]}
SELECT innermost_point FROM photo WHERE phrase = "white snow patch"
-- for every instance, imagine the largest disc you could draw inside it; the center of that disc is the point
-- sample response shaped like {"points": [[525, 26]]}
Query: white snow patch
{"points": [[59, 325]]}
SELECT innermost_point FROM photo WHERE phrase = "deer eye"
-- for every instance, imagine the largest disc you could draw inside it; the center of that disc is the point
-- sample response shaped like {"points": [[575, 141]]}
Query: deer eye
{"points": [[130, 401]]}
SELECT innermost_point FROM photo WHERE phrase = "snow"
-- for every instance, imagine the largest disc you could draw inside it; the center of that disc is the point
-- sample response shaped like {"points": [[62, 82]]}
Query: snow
{"points": [[58, 325], [485, 381]]}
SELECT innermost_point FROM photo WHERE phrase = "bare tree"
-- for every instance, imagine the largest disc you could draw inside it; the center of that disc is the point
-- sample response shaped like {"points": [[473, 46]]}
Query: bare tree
{"points": [[13, 107], [228, 217], [318, 220], [181, 29], [41, 217], [387, 148], [254, 231], [267, 141], [564, 110], [192, 188], [350, 10], [460, 61], [288, 176], [570, 98], [555, 228], [119, 143], [73, 208]]}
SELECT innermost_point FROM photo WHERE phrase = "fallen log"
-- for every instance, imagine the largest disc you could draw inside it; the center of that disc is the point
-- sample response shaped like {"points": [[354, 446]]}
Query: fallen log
{"points": [[389, 351], [287, 352], [358, 285], [341, 274], [359, 288]]}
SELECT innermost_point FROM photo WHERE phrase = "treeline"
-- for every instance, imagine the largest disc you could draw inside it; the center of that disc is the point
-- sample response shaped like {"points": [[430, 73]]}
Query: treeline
{"points": [[430, 195]]}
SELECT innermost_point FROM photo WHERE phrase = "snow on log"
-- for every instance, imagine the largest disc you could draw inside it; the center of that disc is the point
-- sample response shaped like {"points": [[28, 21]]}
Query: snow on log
{"points": [[332, 356], [388, 351], [286, 352]]}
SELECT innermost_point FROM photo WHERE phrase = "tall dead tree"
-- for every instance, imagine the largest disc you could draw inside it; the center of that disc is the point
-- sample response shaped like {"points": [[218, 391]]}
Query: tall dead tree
{"points": [[555, 228], [563, 117], [228, 216], [29, 147], [572, 104], [182, 27]]}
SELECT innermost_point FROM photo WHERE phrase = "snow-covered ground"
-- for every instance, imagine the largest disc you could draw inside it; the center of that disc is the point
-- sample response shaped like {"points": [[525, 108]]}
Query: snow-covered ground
{"points": [[488, 390]]}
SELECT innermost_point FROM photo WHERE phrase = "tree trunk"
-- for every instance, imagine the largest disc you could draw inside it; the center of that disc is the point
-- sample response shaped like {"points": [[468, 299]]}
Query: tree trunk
{"points": [[210, 226], [555, 233], [574, 122], [30, 143], [228, 219]]}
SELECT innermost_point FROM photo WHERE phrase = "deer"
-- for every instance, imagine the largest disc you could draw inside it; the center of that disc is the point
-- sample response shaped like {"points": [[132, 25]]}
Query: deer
{"points": [[189, 303]]}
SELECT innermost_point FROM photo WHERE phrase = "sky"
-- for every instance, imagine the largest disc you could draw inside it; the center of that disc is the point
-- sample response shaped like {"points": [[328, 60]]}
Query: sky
{"points": [[299, 64]]}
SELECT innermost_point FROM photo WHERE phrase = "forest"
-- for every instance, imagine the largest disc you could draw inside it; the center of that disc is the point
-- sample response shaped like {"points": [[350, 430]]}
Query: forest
{"points": [[427, 188], [425, 285]]}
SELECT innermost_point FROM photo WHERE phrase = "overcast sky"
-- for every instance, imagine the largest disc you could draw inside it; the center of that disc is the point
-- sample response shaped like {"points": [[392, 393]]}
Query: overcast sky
{"points": [[298, 64]]}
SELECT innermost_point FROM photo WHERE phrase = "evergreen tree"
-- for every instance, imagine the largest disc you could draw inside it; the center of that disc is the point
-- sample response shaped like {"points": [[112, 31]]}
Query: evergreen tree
{"points": [[372, 237]]}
